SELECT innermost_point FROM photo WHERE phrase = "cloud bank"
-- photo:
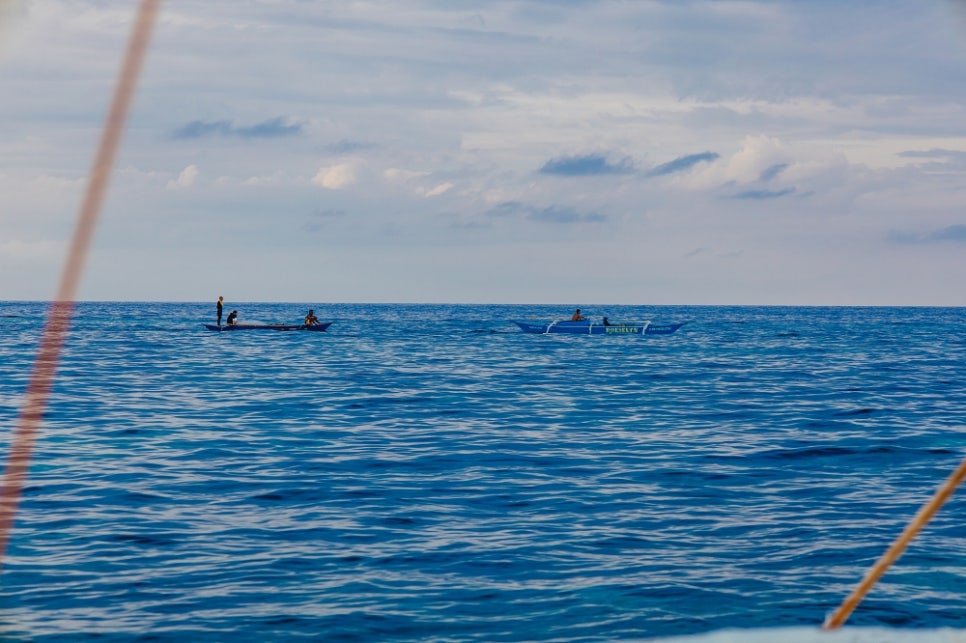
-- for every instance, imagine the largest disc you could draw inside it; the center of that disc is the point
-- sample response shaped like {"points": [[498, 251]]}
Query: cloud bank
{"points": [[809, 164]]}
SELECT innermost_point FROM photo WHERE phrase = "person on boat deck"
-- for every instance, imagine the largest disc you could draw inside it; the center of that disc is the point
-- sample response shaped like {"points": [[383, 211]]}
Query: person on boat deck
{"points": [[232, 318], [311, 319], [219, 306], [577, 316], [607, 322]]}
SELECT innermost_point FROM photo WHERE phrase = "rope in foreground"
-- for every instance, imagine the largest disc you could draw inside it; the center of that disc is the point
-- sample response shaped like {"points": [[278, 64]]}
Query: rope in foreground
{"points": [[62, 308], [924, 515]]}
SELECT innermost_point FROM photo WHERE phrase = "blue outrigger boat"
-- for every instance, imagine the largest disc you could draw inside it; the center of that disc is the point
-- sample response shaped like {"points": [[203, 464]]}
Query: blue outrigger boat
{"points": [[311, 327], [588, 327]]}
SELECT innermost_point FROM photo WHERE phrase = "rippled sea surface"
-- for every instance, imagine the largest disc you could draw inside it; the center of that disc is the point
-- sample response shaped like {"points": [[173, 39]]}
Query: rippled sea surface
{"points": [[431, 473]]}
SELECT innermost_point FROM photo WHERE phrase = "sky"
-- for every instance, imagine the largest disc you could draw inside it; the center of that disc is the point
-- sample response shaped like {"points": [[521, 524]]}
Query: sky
{"points": [[531, 151]]}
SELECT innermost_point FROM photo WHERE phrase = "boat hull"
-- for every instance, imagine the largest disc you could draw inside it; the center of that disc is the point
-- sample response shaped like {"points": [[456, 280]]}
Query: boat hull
{"points": [[590, 328], [314, 327]]}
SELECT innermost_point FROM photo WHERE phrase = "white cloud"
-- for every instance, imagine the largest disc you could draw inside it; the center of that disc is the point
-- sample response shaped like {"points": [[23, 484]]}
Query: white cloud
{"points": [[186, 179], [439, 189], [753, 158], [337, 177], [420, 183]]}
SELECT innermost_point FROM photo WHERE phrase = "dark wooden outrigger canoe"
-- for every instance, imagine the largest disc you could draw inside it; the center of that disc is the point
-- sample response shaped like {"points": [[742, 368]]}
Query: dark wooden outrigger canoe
{"points": [[312, 327]]}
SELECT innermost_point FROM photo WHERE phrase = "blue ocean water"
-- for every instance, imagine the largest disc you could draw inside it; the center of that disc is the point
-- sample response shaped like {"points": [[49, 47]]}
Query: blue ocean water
{"points": [[430, 473]]}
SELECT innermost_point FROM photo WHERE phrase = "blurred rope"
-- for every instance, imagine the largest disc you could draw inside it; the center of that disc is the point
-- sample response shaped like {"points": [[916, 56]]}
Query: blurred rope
{"points": [[925, 514], [62, 308]]}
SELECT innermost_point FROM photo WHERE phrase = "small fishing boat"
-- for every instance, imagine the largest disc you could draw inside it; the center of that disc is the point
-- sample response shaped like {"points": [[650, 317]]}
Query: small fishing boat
{"points": [[588, 327], [311, 327]]}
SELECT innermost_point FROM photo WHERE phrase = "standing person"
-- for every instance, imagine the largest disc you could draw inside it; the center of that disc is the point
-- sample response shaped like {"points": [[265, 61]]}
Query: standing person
{"points": [[219, 306]]}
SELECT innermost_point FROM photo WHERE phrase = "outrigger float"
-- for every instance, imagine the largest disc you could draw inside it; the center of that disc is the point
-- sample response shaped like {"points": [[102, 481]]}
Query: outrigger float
{"points": [[588, 327]]}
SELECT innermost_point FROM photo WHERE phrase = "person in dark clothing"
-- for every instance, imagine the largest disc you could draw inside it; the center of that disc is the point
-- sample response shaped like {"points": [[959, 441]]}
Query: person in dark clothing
{"points": [[219, 306], [232, 317], [607, 322]]}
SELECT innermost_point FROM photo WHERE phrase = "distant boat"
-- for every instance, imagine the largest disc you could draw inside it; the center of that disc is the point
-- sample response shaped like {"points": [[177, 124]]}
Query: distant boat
{"points": [[588, 327], [313, 327]]}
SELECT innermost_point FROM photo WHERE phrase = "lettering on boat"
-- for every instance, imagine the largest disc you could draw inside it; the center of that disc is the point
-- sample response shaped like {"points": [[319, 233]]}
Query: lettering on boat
{"points": [[621, 329]]}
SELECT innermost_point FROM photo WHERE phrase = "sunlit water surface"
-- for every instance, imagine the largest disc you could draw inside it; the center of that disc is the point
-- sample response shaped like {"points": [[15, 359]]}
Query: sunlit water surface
{"points": [[431, 473]]}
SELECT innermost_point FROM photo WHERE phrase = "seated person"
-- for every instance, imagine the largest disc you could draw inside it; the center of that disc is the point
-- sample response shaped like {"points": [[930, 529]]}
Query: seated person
{"points": [[607, 322], [311, 319], [577, 316], [232, 318]]}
